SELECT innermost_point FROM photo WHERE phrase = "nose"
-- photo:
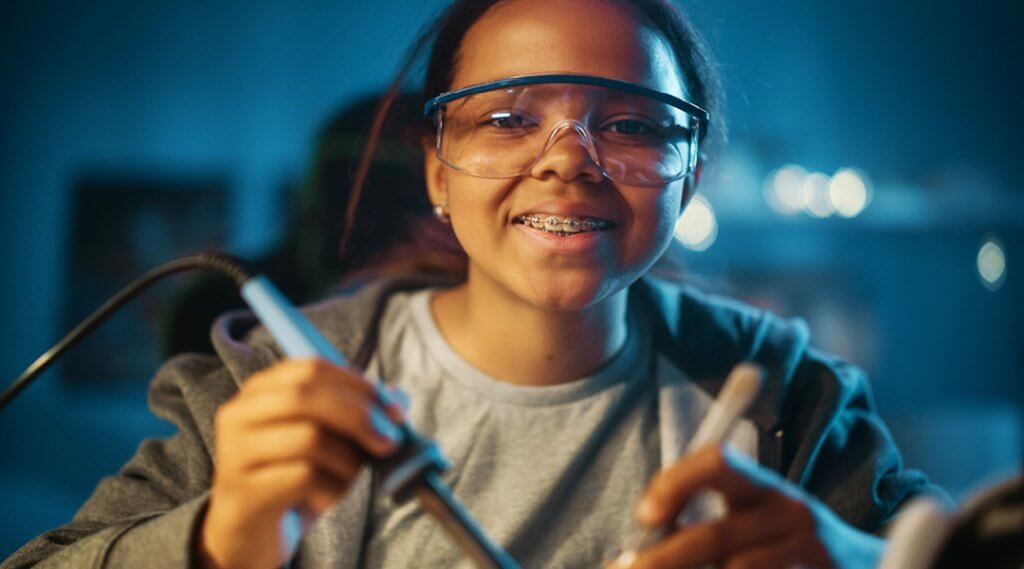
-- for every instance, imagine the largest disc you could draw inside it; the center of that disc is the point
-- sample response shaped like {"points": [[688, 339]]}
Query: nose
{"points": [[569, 153]]}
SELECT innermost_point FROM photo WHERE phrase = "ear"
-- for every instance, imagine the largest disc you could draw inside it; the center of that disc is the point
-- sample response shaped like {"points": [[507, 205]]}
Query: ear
{"points": [[690, 187], [434, 173]]}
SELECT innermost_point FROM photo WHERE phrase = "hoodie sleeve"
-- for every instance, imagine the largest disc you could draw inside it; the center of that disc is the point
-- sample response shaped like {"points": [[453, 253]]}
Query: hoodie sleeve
{"points": [[842, 452], [815, 413], [147, 514]]}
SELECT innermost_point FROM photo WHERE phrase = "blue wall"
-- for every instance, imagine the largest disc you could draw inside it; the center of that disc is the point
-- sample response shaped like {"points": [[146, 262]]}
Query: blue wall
{"points": [[922, 95]]}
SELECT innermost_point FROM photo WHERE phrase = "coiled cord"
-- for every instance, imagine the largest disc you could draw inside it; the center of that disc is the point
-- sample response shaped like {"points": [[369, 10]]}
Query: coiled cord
{"points": [[222, 263]]}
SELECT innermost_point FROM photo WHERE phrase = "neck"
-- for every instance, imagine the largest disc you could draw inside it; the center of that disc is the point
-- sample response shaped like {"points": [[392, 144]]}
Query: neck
{"points": [[512, 341]]}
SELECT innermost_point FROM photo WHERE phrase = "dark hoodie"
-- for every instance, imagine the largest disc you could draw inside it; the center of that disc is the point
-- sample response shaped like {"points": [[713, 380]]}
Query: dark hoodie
{"points": [[815, 417]]}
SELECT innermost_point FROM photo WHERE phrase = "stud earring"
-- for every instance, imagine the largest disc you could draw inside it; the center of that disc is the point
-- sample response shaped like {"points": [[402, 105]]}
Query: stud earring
{"points": [[441, 213]]}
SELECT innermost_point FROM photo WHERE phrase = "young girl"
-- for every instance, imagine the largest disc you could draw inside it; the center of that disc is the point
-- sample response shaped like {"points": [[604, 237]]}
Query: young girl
{"points": [[561, 378]]}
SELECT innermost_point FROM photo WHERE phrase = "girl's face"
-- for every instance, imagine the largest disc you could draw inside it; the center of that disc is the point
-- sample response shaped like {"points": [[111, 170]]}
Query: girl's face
{"points": [[591, 37]]}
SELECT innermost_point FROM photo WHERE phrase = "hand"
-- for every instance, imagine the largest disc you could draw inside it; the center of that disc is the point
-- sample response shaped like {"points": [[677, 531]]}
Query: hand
{"points": [[770, 522], [294, 437]]}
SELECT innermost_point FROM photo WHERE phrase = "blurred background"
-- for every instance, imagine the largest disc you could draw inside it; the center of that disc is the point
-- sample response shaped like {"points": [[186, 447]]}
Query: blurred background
{"points": [[873, 185]]}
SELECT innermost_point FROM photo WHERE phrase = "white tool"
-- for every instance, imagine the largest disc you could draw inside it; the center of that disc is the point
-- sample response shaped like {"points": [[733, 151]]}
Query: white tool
{"points": [[739, 391]]}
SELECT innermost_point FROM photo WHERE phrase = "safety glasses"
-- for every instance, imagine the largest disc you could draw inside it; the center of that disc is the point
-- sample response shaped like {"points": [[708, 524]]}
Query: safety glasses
{"points": [[503, 129]]}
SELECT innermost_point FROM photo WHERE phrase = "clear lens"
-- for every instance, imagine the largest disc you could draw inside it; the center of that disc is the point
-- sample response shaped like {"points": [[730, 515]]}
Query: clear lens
{"points": [[503, 133]]}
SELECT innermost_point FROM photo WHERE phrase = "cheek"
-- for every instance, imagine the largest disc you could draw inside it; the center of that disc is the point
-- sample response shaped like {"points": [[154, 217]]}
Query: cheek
{"points": [[653, 223], [478, 209]]}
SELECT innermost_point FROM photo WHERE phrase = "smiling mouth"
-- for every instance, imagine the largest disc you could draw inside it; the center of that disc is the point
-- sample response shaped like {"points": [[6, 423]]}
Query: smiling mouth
{"points": [[564, 226]]}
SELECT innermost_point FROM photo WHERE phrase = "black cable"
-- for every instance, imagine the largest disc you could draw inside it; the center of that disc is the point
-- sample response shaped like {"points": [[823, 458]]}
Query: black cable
{"points": [[209, 260]]}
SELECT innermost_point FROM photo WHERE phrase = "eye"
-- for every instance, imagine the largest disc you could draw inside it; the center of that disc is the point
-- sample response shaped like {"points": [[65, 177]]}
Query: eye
{"points": [[507, 120], [631, 127]]}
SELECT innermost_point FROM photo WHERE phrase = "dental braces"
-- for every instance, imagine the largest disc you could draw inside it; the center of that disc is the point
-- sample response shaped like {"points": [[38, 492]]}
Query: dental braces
{"points": [[553, 223]]}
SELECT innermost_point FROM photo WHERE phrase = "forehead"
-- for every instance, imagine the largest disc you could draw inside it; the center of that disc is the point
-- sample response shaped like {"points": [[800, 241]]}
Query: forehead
{"points": [[591, 37]]}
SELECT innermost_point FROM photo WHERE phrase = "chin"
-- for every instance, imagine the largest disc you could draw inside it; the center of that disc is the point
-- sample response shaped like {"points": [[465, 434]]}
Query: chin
{"points": [[569, 291]]}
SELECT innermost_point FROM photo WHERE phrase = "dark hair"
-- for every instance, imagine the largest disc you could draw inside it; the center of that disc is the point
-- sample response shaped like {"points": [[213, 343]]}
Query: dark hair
{"points": [[306, 265], [434, 247]]}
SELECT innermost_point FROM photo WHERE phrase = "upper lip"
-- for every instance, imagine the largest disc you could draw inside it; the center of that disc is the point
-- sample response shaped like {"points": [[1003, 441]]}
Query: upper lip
{"points": [[565, 208]]}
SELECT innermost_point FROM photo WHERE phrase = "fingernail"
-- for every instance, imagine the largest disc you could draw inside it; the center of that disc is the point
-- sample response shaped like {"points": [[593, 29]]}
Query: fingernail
{"points": [[384, 426], [395, 403], [400, 397], [385, 395], [624, 561], [647, 511]]}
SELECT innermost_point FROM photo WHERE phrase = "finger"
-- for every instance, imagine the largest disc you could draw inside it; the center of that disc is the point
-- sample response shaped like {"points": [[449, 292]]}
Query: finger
{"points": [[393, 398], [282, 486], [700, 544], [301, 372], [351, 415], [400, 397], [301, 441], [706, 468], [395, 402], [297, 369], [784, 553]]}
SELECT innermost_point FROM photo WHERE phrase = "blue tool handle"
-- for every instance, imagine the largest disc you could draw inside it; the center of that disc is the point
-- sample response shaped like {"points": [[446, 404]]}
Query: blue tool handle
{"points": [[299, 339], [415, 464], [293, 332]]}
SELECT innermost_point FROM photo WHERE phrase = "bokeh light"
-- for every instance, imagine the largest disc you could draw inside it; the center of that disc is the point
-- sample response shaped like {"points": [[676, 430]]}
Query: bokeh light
{"points": [[782, 189], [992, 264], [849, 192], [791, 189], [815, 195], [697, 228]]}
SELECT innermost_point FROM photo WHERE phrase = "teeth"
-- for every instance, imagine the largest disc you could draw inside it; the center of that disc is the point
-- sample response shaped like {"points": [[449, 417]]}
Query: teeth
{"points": [[554, 223]]}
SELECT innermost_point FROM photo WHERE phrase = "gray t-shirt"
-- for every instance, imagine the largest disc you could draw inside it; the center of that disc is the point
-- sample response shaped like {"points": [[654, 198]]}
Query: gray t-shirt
{"points": [[552, 473]]}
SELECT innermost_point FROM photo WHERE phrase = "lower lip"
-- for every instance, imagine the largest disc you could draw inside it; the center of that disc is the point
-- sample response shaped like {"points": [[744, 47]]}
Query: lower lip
{"points": [[575, 243]]}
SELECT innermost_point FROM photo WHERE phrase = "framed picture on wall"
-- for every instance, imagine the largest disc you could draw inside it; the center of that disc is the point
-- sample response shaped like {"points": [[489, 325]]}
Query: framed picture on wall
{"points": [[123, 225]]}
